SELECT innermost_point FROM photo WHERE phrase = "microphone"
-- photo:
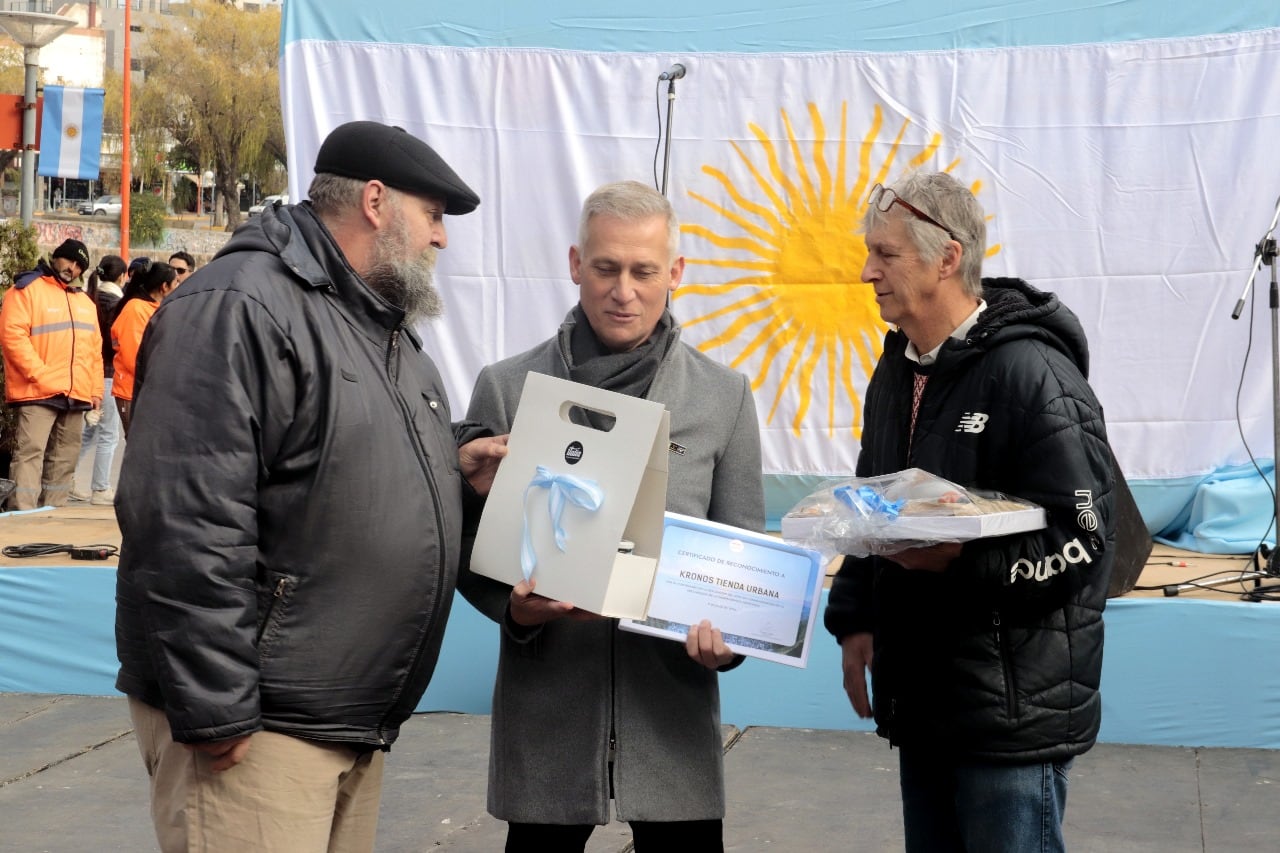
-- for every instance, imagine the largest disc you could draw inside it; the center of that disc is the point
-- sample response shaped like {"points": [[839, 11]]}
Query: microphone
{"points": [[675, 72]]}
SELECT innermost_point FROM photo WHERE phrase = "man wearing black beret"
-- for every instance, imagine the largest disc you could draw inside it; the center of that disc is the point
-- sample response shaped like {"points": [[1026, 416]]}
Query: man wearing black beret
{"points": [[53, 373], [291, 505]]}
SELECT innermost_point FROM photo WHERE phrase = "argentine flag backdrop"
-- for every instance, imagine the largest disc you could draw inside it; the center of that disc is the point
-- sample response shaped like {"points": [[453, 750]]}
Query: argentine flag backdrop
{"points": [[71, 133], [1124, 152]]}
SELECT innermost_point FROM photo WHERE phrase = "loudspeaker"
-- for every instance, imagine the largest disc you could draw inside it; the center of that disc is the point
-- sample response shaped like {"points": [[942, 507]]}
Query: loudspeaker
{"points": [[1133, 541]]}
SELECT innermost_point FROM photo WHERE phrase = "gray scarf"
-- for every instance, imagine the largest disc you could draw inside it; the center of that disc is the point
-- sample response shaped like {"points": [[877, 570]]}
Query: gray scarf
{"points": [[631, 373]]}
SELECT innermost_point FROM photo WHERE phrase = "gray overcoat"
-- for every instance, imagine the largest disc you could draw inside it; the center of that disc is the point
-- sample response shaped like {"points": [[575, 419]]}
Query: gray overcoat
{"points": [[575, 694]]}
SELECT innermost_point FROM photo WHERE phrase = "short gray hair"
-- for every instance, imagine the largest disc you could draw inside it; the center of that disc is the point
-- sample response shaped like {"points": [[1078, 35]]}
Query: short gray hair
{"points": [[333, 195], [629, 200], [950, 202]]}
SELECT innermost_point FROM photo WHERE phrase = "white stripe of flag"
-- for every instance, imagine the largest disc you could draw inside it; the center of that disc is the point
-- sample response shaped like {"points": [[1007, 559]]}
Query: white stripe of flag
{"points": [[71, 132]]}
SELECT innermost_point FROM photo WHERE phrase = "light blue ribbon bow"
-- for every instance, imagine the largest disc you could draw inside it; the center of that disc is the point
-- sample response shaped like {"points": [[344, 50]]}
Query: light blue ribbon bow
{"points": [[561, 488], [866, 501]]}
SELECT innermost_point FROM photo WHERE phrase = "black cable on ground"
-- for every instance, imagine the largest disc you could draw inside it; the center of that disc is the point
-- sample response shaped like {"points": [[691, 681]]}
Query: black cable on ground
{"points": [[47, 549]]}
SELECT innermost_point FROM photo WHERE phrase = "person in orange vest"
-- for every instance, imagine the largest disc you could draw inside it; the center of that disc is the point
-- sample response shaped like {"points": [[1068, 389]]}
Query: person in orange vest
{"points": [[52, 373], [102, 433], [151, 282]]}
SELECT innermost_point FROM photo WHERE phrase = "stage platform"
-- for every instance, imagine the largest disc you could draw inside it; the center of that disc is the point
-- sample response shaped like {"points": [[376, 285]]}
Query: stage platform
{"points": [[1196, 670]]}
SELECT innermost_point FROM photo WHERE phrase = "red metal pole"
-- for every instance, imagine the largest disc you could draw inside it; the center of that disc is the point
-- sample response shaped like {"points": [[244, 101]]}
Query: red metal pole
{"points": [[126, 178]]}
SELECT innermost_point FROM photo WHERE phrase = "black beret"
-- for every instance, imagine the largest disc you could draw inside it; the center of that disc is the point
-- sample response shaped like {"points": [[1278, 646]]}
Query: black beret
{"points": [[372, 151], [74, 251]]}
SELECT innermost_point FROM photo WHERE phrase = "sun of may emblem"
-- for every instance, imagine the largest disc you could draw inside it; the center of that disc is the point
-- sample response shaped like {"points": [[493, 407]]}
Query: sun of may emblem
{"points": [[72, 131], [790, 308]]}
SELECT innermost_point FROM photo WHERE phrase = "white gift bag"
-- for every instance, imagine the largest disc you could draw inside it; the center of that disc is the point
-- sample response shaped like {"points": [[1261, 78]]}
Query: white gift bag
{"points": [[568, 494]]}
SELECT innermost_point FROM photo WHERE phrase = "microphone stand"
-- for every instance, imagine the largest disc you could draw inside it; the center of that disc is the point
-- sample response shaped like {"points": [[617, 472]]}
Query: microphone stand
{"points": [[666, 152], [1265, 253], [666, 155]]}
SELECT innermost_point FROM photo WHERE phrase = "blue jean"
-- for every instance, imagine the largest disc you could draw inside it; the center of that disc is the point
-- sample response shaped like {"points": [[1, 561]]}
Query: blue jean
{"points": [[972, 807], [102, 440]]}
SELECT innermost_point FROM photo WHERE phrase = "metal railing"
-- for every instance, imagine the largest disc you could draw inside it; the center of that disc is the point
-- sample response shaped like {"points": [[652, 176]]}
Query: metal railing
{"points": [[45, 6]]}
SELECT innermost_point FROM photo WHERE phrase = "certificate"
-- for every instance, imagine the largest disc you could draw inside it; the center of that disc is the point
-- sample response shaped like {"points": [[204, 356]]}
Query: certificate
{"points": [[761, 592]]}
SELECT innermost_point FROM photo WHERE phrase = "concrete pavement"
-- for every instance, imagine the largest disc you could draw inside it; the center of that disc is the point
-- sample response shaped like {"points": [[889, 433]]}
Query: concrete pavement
{"points": [[71, 781]]}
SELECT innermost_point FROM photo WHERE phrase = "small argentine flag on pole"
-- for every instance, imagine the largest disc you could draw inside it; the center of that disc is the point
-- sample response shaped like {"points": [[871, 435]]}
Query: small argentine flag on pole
{"points": [[71, 132]]}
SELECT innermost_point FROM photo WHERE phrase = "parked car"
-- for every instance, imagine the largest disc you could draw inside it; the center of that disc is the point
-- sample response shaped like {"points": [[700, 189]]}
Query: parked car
{"points": [[266, 202], [103, 205]]}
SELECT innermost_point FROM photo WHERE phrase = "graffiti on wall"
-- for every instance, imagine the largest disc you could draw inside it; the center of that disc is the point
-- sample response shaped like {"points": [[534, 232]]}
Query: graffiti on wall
{"points": [[53, 233], [105, 239]]}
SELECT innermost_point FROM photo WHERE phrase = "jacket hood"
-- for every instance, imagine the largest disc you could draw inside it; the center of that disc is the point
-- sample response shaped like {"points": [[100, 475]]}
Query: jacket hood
{"points": [[1016, 310], [43, 270], [309, 251], [284, 230]]}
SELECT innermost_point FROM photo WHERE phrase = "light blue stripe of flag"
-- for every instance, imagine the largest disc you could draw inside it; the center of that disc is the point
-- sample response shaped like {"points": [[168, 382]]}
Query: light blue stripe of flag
{"points": [[732, 26], [71, 132]]}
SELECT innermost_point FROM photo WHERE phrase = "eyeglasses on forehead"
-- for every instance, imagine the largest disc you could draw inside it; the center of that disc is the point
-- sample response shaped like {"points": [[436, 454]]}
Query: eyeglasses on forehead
{"points": [[884, 198]]}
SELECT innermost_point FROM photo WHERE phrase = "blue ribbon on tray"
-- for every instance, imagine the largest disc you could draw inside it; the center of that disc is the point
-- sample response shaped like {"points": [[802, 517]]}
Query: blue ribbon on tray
{"points": [[867, 502], [561, 488]]}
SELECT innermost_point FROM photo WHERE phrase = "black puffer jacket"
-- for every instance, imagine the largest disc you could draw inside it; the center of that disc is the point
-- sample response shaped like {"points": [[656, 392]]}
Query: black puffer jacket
{"points": [[290, 501], [999, 657], [108, 300]]}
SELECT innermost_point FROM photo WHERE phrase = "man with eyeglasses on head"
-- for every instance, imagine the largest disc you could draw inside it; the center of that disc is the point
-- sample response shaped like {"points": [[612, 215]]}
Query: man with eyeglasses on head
{"points": [[985, 657], [183, 264]]}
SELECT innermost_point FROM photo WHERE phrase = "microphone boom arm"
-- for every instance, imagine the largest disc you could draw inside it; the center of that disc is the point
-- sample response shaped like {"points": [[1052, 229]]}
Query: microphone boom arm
{"points": [[1264, 253]]}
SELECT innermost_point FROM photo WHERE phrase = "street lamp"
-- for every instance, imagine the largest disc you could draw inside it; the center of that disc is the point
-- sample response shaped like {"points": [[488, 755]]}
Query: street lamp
{"points": [[32, 30], [206, 181]]}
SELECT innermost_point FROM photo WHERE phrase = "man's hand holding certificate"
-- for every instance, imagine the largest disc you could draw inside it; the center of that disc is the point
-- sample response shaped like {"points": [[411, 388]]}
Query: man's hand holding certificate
{"points": [[759, 591]]}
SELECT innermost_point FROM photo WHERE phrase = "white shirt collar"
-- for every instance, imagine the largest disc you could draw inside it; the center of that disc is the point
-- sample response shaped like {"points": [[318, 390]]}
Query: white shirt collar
{"points": [[960, 332]]}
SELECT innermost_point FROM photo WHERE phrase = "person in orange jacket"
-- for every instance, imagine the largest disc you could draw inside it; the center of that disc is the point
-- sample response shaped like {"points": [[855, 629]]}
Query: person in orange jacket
{"points": [[52, 373], [102, 433], [151, 282]]}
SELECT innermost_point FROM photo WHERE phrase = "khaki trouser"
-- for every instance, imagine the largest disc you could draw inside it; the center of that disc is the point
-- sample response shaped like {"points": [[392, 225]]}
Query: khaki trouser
{"points": [[44, 462], [288, 795]]}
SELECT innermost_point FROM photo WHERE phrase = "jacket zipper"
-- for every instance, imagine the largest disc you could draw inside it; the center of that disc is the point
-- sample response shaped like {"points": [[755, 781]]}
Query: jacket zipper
{"points": [[393, 371], [276, 595], [610, 768], [71, 373], [1006, 666], [392, 364], [613, 687]]}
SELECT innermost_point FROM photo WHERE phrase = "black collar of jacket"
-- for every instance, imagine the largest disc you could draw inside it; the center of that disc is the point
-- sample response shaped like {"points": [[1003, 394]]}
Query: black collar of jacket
{"points": [[43, 270], [308, 249]]}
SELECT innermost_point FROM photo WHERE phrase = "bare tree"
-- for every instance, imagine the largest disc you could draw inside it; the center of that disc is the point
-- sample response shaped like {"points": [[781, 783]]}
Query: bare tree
{"points": [[148, 131], [223, 89]]}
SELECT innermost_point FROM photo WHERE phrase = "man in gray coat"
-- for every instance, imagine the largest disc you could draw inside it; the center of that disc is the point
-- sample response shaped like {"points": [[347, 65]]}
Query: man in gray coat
{"points": [[583, 712]]}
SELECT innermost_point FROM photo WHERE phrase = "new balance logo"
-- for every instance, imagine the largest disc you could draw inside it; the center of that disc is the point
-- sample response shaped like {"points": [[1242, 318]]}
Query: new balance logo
{"points": [[973, 422], [1053, 564]]}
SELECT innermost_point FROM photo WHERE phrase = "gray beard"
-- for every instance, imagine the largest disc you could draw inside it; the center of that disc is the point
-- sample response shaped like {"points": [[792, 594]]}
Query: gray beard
{"points": [[409, 286]]}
